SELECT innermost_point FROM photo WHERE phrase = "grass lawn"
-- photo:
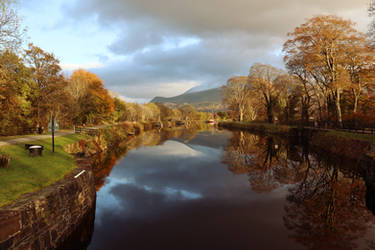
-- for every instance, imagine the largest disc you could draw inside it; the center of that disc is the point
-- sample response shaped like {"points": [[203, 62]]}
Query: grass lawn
{"points": [[353, 136], [260, 127], [273, 128], [27, 174]]}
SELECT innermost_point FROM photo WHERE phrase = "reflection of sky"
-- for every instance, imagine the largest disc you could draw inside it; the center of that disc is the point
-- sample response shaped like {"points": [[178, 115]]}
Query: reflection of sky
{"points": [[182, 189], [172, 148]]}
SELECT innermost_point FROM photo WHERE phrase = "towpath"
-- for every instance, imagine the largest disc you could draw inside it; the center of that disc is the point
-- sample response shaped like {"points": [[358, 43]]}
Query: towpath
{"points": [[31, 138]]}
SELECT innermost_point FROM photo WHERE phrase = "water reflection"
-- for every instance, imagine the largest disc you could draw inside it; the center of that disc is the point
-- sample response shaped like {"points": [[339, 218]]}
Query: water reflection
{"points": [[268, 161], [326, 206], [173, 190]]}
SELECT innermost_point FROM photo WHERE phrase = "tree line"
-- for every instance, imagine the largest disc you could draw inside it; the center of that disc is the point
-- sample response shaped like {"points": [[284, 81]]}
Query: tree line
{"points": [[33, 88], [329, 79]]}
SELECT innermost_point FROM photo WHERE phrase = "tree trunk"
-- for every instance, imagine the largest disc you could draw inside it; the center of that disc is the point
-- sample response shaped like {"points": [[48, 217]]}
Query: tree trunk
{"points": [[355, 104], [305, 111], [269, 113], [338, 108], [305, 115], [241, 115]]}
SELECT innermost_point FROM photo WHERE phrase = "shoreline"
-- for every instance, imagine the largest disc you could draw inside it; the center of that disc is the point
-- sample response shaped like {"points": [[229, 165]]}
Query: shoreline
{"points": [[339, 143]]}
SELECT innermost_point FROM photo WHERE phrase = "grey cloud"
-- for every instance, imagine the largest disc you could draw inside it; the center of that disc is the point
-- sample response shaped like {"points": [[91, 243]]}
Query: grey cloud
{"points": [[199, 17], [233, 35], [135, 37], [211, 62]]}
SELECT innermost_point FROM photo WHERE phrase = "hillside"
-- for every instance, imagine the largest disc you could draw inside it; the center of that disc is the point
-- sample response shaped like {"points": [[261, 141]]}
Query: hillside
{"points": [[206, 100]]}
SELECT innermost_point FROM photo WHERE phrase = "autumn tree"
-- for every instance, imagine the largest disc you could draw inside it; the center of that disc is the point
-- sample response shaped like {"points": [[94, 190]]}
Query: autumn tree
{"points": [[79, 82], [50, 96], [360, 67], [188, 112], [263, 81], [165, 112], [152, 112], [119, 110], [297, 65], [289, 97], [236, 95], [15, 94], [96, 105], [321, 47]]}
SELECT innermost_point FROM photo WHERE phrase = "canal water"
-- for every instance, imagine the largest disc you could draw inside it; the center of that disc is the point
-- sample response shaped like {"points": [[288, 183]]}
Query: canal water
{"points": [[216, 189]]}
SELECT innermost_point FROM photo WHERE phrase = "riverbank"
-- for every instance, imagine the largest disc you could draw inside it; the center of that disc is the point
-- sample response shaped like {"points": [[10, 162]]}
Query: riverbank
{"points": [[346, 144], [56, 212], [26, 174], [51, 217], [258, 127]]}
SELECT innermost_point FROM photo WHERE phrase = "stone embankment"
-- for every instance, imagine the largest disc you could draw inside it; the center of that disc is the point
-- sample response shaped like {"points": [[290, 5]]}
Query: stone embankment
{"points": [[52, 217]]}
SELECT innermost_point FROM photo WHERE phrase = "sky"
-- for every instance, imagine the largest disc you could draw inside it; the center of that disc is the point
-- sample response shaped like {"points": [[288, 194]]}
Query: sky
{"points": [[147, 48]]}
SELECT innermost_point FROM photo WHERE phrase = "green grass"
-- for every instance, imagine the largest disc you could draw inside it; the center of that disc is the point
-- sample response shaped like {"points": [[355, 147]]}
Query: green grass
{"points": [[275, 129], [27, 174]]}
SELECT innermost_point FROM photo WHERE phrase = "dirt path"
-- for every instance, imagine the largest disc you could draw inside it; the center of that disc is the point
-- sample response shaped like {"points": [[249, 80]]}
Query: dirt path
{"points": [[31, 138], [41, 137]]}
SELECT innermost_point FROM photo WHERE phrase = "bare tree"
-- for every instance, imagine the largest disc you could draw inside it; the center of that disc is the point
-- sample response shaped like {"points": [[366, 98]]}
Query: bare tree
{"points": [[11, 33], [236, 95], [263, 80]]}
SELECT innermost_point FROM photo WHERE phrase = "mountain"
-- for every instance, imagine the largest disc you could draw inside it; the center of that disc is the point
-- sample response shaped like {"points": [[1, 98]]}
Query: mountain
{"points": [[206, 100], [196, 89]]}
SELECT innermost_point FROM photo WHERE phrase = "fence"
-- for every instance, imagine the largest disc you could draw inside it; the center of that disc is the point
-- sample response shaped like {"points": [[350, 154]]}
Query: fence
{"points": [[89, 131]]}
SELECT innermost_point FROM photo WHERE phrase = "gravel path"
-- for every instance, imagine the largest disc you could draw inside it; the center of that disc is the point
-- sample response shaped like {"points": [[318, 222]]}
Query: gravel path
{"points": [[41, 137], [31, 138]]}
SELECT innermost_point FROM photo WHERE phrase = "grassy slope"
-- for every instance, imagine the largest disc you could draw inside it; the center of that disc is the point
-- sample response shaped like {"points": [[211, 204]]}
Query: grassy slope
{"points": [[272, 128], [258, 127], [27, 174], [352, 136]]}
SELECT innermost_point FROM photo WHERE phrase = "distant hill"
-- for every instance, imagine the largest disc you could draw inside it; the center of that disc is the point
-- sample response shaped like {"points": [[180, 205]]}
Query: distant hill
{"points": [[206, 100]]}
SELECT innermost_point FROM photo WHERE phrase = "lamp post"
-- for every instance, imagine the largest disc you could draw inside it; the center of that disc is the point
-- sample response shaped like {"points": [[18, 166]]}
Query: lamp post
{"points": [[53, 127]]}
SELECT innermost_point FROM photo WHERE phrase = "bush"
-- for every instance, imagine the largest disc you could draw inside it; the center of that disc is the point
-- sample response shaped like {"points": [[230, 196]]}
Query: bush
{"points": [[4, 161], [359, 120], [138, 128]]}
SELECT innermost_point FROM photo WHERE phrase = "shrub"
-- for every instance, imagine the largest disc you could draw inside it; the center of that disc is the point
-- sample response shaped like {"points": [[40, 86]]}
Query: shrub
{"points": [[4, 161], [138, 128]]}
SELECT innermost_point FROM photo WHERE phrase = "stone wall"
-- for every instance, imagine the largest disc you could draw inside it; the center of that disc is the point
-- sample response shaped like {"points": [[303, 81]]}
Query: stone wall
{"points": [[52, 217]]}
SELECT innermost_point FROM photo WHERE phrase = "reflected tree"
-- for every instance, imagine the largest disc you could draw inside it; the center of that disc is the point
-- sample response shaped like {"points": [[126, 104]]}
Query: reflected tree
{"points": [[267, 161], [326, 206], [327, 209]]}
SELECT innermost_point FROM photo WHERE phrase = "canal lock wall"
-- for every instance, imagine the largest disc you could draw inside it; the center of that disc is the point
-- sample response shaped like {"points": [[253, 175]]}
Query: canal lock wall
{"points": [[52, 217]]}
